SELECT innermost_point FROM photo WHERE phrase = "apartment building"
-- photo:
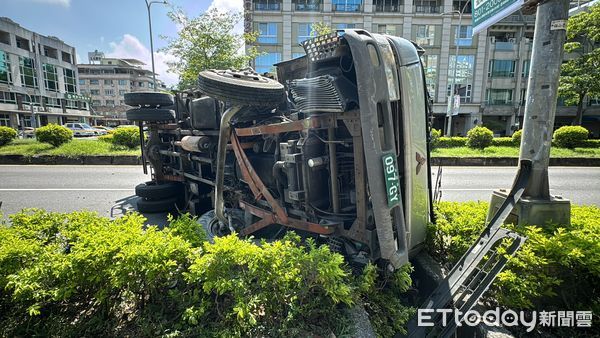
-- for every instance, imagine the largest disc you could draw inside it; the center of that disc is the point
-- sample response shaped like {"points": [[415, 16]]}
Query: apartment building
{"points": [[106, 80], [38, 79], [492, 66]]}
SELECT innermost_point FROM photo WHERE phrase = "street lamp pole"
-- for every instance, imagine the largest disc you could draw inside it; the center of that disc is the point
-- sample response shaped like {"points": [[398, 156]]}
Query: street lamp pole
{"points": [[148, 4], [453, 85]]}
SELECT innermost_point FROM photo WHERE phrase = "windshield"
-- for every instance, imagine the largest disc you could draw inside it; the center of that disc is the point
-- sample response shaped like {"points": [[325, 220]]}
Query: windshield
{"points": [[86, 126]]}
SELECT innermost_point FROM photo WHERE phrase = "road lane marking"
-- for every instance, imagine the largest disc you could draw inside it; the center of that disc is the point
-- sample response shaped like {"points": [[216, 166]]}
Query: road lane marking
{"points": [[65, 189]]}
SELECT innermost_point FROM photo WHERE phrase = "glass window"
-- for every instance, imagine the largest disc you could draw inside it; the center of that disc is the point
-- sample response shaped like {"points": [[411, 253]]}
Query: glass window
{"points": [[140, 84], [386, 29], [502, 68], [460, 5], [497, 97], [4, 120], [5, 75], [347, 5], [345, 26], [304, 30], [307, 5], [82, 81], [388, 5], [464, 37], [71, 104], [96, 102], [525, 70], [94, 82], [110, 102], [28, 72], [109, 92], [108, 82], [267, 5], [122, 82], [427, 6], [70, 86], [35, 100], [267, 32], [425, 35], [464, 76], [50, 77], [52, 102], [6, 97], [122, 92], [430, 64], [95, 91], [264, 63]]}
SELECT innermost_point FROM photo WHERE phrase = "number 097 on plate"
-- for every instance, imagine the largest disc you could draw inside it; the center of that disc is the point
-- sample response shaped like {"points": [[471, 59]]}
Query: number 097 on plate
{"points": [[392, 179]]}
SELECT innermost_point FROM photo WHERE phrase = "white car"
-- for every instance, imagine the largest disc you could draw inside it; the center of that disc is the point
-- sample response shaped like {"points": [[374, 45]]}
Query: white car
{"points": [[82, 129]]}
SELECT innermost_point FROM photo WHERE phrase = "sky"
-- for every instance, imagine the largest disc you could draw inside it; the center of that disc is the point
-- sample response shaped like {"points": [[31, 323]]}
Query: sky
{"points": [[119, 28]]}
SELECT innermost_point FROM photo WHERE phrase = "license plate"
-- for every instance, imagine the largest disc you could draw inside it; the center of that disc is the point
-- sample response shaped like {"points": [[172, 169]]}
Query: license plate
{"points": [[392, 180]]}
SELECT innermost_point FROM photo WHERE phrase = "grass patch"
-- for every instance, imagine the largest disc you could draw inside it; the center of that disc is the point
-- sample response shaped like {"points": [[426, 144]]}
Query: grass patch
{"points": [[511, 152], [73, 148]]}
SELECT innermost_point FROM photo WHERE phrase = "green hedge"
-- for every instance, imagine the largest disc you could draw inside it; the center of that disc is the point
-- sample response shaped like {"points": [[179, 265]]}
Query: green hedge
{"points": [[80, 274], [7, 134], [452, 142], [570, 136], [54, 134], [558, 266], [127, 137], [504, 142]]}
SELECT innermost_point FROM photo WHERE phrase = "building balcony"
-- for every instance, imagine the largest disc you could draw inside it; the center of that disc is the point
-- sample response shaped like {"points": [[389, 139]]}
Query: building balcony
{"points": [[499, 102], [389, 9], [505, 45], [427, 9], [346, 8], [307, 7], [269, 6]]}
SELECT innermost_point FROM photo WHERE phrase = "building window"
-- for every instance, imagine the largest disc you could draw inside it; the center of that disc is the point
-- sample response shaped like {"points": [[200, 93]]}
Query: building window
{"points": [[267, 32], [50, 52], [94, 82], [267, 5], [32, 100], [386, 29], [66, 57], [4, 38], [502, 68], [458, 5], [122, 82], [304, 30], [96, 102], [28, 72], [4, 120], [464, 37], [430, 64], [427, 6], [109, 92], [345, 26], [425, 35], [108, 82], [523, 97], [71, 104], [22, 43], [82, 81], [307, 5], [5, 75], [122, 92], [70, 83], [499, 97], [464, 76], [388, 5], [6, 97], [347, 5], [264, 63], [140, 84], [110, 102], [95, 91], [50, 77], [525, 70], [52, 102]]}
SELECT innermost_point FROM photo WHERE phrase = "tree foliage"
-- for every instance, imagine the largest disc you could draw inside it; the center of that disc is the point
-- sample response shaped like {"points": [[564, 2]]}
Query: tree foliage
{"points": [[208, 41], [580, 76], [320, 28]]}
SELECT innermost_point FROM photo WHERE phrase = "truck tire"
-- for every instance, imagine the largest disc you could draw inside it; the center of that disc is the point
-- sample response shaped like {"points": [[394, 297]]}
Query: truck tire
{"points": [[155, 191], [244, 87], [150, 114], [211, 226], [156, 206], [150, 99]]}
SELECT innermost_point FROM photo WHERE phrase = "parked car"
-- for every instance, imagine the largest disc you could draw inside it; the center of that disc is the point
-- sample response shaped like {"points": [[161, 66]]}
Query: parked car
{"points": [[82, 129], [26, 132], [104, 128]]}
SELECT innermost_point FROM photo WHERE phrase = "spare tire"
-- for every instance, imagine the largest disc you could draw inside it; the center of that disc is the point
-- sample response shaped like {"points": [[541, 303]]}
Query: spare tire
{"points": [[243, 87], [156, 206], [150, 99], [150, 114], [213, 228], [154, 190]]}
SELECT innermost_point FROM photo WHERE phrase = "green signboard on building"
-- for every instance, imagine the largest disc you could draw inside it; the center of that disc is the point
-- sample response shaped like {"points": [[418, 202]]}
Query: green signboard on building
{"points": [[77, 97], [488, 12]]}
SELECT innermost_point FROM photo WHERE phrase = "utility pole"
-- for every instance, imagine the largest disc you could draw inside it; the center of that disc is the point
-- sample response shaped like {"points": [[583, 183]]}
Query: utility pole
{"points": [[148, 4]]}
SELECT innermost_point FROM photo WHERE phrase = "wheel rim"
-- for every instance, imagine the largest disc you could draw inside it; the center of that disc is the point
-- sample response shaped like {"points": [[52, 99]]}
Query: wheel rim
{"points": [[219, 230], [246, 74]]}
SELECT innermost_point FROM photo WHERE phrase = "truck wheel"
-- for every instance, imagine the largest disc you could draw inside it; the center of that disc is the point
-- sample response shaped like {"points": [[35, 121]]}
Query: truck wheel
{"points": [[150, 114], [243, 87], [212, 226], [155, 191], [150, 99], [156, 206]]}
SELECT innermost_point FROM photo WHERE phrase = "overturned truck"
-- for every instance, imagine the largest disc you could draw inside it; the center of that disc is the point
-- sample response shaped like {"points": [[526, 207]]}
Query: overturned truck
{"points": [[336, 149]]}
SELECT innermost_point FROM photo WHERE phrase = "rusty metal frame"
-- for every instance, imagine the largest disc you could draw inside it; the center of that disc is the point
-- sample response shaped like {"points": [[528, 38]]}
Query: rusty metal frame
{"points": [[259, 190], [312, 122]]}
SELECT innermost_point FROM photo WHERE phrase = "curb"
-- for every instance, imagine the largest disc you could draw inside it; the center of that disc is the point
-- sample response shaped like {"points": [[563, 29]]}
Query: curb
{"points": [[66, 160], [512, 161]]}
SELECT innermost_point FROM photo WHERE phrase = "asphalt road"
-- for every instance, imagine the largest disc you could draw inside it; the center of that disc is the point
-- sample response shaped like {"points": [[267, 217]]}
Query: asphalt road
{"points": [[109, 190]]}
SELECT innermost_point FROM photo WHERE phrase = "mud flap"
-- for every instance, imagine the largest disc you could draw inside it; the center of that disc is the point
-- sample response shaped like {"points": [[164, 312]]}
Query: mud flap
{"points": [[478, 267]]}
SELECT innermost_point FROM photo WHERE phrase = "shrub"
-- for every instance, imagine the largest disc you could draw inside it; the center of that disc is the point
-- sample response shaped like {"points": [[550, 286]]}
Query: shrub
{"points": [[54, 134], [435, 135], [570, 136], [108, 138], [516, 137], [557, 267], [479, 137], [452, 142], [128, 137], [503, 142], [590, 144], [7, 134]]}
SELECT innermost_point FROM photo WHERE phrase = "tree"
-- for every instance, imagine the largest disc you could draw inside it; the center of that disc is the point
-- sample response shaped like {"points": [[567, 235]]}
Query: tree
{"points": [[580, 76], [207, 42], [320, 28]]}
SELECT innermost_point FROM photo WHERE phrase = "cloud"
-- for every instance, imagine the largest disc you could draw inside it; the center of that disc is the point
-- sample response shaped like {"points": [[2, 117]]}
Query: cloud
{"points": [[130, 47], [65, 3], [228, 5]]}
